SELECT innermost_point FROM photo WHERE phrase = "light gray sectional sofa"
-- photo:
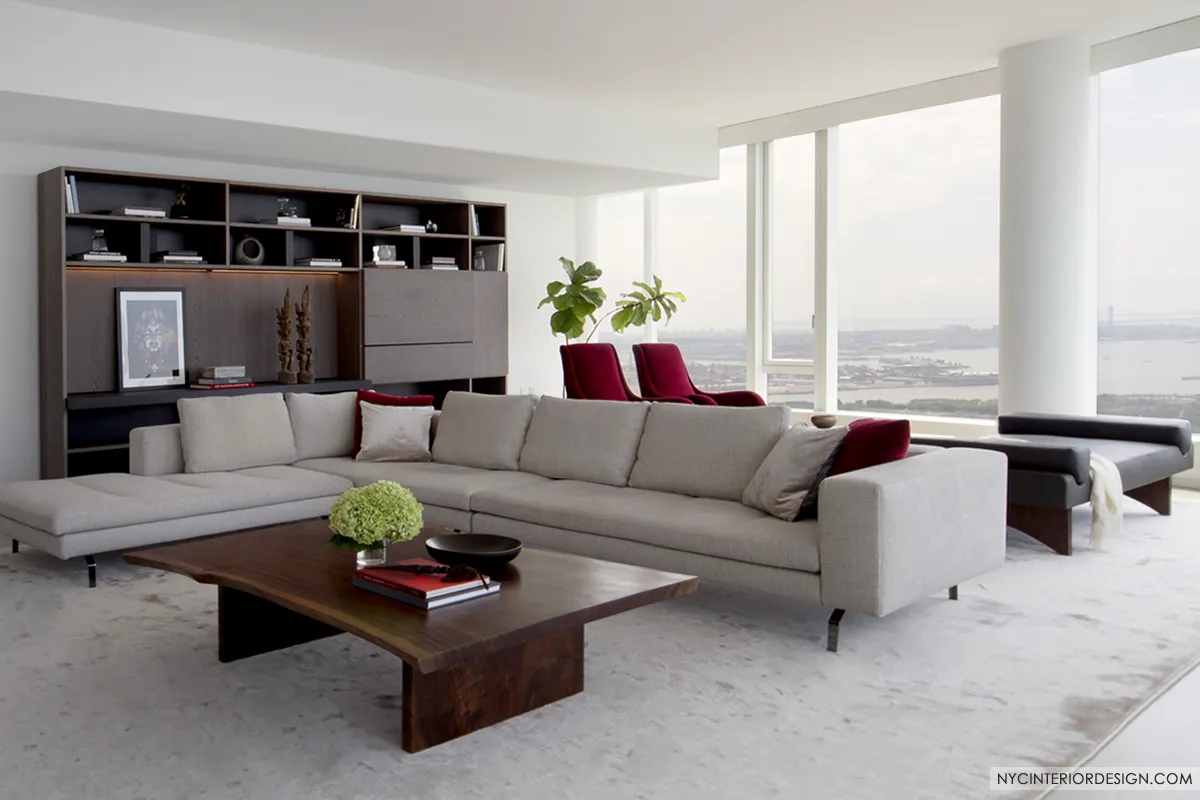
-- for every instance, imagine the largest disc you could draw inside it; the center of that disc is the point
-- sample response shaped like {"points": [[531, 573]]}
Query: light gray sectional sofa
{"points": [[657, 485]]}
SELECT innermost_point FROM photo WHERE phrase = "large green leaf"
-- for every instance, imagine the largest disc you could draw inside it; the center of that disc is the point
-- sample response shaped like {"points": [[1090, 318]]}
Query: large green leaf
{"points": [[554, 287], [621, 319]]}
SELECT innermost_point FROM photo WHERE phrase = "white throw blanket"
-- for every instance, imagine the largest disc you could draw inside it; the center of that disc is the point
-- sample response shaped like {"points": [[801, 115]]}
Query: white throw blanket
{"points": [[1106, 500]]}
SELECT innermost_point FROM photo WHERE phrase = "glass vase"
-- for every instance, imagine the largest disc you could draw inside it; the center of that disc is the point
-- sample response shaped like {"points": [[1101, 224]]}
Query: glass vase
{"points": [[372, 556]]}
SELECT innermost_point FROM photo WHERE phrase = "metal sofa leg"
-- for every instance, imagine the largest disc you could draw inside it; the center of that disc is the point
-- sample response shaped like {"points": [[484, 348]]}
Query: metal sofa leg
{"points": [[16, 546], [91, 565], [835, 619], [953, 592]]}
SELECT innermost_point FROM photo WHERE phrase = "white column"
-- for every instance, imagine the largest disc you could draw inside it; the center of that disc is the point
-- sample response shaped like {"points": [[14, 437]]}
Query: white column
{"points": [[649, 252], [756, 376], [825, 320], [1047, 285], [587, 229]]}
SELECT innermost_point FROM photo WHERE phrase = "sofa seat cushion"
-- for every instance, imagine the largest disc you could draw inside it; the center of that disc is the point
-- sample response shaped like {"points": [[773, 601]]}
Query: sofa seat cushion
{"points": [[1139, 463], [719, 528], [446, 485], [96, 502]]}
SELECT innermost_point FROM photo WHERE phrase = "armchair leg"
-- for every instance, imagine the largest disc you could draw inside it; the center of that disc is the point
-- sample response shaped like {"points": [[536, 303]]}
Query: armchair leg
{"points": [[953, 592], [835, 619], [91, 565], [16, 546]]}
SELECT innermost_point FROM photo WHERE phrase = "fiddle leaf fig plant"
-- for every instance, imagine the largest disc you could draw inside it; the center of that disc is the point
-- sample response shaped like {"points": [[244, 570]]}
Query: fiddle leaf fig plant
{"points": [[647, 302], [576, 300]]}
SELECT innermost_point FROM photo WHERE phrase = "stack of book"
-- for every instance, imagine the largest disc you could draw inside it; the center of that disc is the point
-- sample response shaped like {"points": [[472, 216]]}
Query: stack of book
{"points": [[177, 257], [390, 263], [442, 262], [423, 591], [290, 222], [72, 194], [318, 262], [98, 257], [405, 228], [223, 378], [139, 211]]}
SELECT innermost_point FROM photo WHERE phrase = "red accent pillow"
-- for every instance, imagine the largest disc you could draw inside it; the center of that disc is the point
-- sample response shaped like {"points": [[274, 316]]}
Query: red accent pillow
{"points": [[870, 442], [380, 399]]}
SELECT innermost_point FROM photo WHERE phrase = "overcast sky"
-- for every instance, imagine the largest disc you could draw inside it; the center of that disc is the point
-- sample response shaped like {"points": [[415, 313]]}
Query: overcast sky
{"points": [[919, 215]]}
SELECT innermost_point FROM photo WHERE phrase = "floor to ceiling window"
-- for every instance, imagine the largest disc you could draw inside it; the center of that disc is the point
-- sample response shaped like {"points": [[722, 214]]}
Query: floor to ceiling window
{"points": [[790, 264], [702, 253], [620, 226], [918, 261], [1149, 239]]}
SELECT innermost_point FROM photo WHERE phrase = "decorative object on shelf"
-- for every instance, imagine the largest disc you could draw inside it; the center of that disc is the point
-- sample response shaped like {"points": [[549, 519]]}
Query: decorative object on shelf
{"points": [[303, 345], [493, 256], [249, 252], [286, 209], [283, 320], [99, 243], [823, 420], [366, 518], [431, 227], [383, 252], [150, 338], [342, 218], [479, 262], [99, 253], [179, 209]]}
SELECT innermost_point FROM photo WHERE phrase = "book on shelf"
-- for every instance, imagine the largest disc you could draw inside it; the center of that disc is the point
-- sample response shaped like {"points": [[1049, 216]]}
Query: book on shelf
{"points": [[185, 253], [443, 260], [474, 221], [245, 384], [388, 264], [70, 198], [319, 262], [422, 591], [157, 259], [74, 194], [139, 211], [404, 228], [493, 256], [289, 222], [99, 257], [230, 371], [441, 267]]}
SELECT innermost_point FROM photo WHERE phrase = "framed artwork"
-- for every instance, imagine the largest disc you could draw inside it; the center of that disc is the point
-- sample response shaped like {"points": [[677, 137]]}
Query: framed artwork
{"points": [[150, 338]]}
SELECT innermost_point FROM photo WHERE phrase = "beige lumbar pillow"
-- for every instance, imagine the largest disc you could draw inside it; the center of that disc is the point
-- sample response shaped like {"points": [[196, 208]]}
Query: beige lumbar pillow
{"points": [[395, 433], [791, 469]]}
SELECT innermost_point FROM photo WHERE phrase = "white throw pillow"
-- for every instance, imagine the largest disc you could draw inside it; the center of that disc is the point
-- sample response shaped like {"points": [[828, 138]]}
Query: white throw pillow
{"points": [[225, 433], [790, 470], [395, 433], [323, 424]]}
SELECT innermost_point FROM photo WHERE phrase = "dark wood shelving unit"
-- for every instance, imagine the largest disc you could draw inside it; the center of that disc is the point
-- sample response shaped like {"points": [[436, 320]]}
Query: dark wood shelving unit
{"points": [[404, 330]]}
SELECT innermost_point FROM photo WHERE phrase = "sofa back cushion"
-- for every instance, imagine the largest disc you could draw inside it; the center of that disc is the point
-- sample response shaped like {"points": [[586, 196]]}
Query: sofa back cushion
{"points": [[584, 440], [225, 433], [322, 424], [706, 451], [483, 430]]}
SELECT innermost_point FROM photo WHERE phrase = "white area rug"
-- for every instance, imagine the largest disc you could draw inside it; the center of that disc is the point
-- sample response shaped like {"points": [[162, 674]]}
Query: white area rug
{"points": [[117, 692]]}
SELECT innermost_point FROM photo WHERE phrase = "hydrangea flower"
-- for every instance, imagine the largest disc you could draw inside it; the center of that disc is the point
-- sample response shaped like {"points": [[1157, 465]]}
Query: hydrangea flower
{"points": [[370, 516]]}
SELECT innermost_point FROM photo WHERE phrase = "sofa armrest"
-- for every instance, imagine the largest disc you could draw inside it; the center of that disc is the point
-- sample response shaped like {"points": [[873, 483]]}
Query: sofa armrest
{"points": [[1176, 432], [1071, 460], [157, 450], [897, 532]]}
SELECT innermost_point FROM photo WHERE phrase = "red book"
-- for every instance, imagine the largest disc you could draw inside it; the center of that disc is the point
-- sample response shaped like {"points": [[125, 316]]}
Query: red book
{"points": [[426, 587], [246, 385]]}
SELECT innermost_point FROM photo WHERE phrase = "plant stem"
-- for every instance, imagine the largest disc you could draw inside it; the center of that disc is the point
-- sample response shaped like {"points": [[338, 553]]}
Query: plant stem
{"points": [[596, 327]]}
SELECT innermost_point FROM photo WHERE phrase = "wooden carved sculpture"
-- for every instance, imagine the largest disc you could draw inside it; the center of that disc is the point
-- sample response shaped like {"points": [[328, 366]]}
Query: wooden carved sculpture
{"points": [[303, 346], [283, 320]]}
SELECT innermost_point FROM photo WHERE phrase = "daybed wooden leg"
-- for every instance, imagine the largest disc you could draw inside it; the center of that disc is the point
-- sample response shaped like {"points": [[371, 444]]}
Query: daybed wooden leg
{"points": [[16, 546], [835, 619], [91, 565], [953, 592], [1050, 526], [1157, 495]]}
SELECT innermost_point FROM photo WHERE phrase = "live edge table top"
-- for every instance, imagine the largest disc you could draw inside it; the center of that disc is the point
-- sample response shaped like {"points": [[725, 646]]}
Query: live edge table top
{"points": [[294, 566]]}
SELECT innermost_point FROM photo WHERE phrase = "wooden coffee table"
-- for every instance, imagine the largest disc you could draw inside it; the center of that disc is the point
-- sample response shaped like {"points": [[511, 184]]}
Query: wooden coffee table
{"points": [[466, 666]]}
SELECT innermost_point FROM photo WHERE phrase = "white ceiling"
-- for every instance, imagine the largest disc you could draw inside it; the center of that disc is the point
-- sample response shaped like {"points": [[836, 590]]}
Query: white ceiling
{"points": [[714, 61]]}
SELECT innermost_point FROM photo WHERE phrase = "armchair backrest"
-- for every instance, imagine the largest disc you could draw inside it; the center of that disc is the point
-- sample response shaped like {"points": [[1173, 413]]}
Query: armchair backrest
{"points": [[593, 372], [661, 371]]}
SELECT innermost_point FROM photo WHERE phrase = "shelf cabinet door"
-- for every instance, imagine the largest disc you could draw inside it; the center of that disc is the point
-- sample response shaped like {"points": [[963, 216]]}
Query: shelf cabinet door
{"points": [[404, 306], [491, 324]]}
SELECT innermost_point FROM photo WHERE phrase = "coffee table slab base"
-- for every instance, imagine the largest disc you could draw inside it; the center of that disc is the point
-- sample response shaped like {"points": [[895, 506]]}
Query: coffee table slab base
{"points": [[454, 701]]}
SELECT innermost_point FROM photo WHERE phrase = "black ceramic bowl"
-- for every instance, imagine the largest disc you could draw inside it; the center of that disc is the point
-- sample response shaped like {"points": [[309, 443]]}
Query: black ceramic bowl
{"points": [[483, 551]]}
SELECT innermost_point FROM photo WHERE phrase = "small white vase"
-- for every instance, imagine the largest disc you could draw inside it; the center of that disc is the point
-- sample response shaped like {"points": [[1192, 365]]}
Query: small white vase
{"points": [[372, 556]]}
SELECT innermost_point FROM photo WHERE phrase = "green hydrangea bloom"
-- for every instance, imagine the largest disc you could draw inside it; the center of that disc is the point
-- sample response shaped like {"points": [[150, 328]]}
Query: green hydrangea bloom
{"points": [[368, 516]]}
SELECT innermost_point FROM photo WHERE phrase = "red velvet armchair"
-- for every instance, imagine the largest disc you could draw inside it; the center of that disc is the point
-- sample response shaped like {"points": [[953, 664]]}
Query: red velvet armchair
{"points": [[661, 372], [593, 372]]}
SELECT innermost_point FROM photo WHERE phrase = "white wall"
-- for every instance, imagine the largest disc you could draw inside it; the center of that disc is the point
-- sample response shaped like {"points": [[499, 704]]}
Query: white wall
{"points": [[540, 229]]}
